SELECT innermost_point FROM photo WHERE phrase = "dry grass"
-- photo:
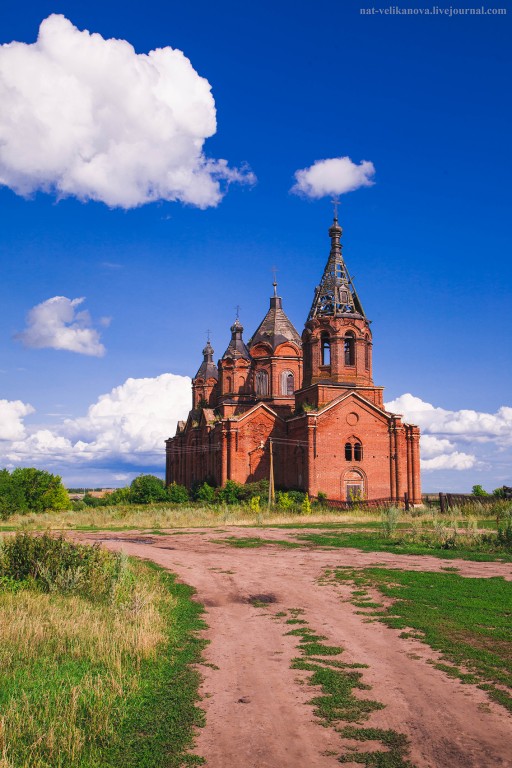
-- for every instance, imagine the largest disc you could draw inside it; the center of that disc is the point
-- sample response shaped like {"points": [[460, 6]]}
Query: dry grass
{"points": [[66, 664], [161, 516]]}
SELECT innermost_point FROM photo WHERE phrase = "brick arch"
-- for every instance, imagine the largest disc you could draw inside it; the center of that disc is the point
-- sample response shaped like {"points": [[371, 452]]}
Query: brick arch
{"points": [[353, 482]]}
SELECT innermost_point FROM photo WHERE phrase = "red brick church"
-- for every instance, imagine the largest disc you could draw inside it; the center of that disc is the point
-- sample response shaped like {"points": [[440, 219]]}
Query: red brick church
{"points": [[307, 405]]}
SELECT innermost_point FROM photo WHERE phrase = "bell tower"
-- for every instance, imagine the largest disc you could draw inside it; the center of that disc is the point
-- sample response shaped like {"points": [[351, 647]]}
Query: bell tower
{"points": [[337, 339]]}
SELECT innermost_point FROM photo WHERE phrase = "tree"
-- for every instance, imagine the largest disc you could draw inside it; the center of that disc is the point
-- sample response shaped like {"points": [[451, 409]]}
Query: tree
{"points": [[146, 489], [11, 496], [477, 490], [40, 489]]}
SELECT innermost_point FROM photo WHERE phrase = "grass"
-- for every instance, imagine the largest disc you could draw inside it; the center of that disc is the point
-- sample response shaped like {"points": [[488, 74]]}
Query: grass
{"points": [[401, 545], [102, 680], [467, 620], [339, 701]]}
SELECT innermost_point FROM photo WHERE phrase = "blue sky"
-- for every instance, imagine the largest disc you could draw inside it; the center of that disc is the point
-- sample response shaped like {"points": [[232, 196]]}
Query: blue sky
{"points": [[425, 99]]}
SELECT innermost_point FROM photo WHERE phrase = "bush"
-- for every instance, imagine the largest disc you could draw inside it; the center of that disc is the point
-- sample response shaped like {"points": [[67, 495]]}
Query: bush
{"points": [[177, 494], [249, 490], [321, 496], [146, 489], [477, 490], [283, 500], [55, 564], [230, 493], [306, 506], [205, 493], [31, 490]]}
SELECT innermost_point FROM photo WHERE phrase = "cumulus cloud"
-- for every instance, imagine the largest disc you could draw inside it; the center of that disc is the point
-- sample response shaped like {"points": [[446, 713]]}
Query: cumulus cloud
{"points": [[466, 423], [445, 434], [89, 117], [12, 413], [56, 324], [334, 176], [127, 426]]}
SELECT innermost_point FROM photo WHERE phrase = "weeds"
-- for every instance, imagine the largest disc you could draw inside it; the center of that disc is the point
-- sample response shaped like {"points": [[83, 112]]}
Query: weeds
{"points": [[93, 675]]}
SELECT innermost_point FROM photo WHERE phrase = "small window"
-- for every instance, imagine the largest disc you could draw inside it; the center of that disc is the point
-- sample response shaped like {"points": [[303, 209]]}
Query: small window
{"points": [[358, 452], [367, 355], [350, 348], [228, 384], [325, 348], [287, 383], [348, 451], [262, 383]]}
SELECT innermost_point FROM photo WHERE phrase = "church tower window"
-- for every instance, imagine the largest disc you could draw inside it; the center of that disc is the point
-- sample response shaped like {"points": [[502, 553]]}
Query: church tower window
{"points": [[262, 383], [350, 348], [348, 451], [287, 383], [358, 452], [325, 348]]}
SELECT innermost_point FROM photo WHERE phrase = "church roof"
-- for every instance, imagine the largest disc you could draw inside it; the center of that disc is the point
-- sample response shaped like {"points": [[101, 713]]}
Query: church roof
{"points": [[207, 369], [236, 347], [336, 295], [275, 328]]}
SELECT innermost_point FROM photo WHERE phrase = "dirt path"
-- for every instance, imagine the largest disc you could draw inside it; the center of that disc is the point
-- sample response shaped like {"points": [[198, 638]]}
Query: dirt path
{"points": [[257, 714]]}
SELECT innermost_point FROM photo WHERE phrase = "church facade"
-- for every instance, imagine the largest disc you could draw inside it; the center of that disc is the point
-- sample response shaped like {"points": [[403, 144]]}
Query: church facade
{"points": [[302, 409]]}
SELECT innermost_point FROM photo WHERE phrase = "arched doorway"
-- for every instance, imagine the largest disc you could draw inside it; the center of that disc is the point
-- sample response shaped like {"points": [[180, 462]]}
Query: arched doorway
{"points": [[353, 486]]}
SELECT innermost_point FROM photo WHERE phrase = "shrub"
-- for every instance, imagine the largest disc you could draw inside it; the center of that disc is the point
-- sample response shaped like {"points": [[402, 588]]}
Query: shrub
{"points": [[178, 494], [229, 493], [306, 506], [205, 493], [119, 496], [477, 490], [146, 489], [259, 488], [55, 564], [254, 503], [321, 496], [283, 500]]}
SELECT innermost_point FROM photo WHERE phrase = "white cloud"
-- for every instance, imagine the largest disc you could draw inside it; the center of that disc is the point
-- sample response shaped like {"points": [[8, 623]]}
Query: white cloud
{"points": [[12, 413], [334, 176], [55, 324], [89, 117], [126, 427], [445, 435], [455, 460], [466, 424]]}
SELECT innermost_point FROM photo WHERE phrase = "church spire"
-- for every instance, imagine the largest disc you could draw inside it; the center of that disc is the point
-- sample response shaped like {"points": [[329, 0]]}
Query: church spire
{"points": [[336, 295]]}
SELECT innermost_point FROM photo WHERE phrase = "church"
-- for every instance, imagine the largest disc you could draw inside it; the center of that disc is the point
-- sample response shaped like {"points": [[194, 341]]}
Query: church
{"points": [[302, 412]]}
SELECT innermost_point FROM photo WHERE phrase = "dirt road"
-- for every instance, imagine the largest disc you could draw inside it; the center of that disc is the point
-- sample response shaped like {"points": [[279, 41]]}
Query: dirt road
{"points": [[257, 711]]}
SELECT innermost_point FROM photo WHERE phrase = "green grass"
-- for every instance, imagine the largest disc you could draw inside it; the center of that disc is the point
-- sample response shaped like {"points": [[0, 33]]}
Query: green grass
{"points": [[252, 542], [157, 728], [400, 546], [468, 620], [91, 681], [339, 701]]}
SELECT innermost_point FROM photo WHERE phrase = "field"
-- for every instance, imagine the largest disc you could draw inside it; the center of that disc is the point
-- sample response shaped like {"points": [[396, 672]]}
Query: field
{"points": [[392, 632]]}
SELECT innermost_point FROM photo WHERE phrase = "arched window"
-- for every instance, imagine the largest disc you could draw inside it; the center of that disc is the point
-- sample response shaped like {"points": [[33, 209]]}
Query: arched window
{"points": [[353, 450], [287, 383], [367, 354], [262, 383], [228, 384], [325, 344], [350, 348]]}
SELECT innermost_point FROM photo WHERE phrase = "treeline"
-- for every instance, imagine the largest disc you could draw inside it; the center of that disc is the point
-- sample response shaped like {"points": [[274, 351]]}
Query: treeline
{"points": [[27, 490], [149, 489]]}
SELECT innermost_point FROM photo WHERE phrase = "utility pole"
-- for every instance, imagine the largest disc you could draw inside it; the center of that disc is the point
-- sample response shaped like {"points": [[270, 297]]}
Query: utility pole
{"points": [[271, 494]]}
